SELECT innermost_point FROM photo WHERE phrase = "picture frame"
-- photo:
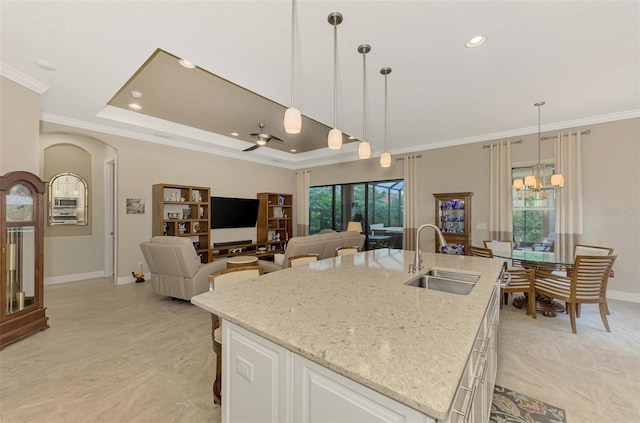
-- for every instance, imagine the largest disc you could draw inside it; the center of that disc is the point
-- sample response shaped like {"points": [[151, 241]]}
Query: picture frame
{"points": [[135, 205]]}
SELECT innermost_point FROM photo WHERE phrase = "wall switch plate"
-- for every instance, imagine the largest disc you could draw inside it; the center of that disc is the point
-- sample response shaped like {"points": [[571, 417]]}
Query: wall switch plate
{"points": [[481, 226]]}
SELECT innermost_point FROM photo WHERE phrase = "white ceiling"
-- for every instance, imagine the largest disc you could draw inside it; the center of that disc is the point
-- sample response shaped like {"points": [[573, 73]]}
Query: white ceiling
{"points": [[581, 57]]}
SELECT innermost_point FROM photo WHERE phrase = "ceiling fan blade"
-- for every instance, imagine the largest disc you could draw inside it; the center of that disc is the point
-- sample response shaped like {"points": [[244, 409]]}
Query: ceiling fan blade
{"points": [[273, 138], [253, 147]]}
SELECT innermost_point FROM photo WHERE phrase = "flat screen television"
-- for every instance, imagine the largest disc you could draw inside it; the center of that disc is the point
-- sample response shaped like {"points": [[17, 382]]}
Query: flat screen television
{"points": [[227, 212]]}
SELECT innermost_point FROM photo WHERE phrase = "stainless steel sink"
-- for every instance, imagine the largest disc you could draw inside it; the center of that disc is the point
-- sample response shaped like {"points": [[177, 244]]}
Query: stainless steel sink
{"points": [[446, 281]]}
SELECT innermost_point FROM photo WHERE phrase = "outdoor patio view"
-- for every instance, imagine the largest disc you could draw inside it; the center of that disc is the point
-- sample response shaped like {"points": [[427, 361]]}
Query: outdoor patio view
{"points": [[378, 206]]}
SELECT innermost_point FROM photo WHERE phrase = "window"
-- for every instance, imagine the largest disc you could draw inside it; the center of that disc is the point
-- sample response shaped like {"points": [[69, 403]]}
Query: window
{"points": [[334, 206], [534, 214]]}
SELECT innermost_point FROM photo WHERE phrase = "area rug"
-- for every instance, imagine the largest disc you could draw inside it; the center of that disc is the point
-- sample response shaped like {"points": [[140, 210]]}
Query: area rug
{"points": [[511, 407]]}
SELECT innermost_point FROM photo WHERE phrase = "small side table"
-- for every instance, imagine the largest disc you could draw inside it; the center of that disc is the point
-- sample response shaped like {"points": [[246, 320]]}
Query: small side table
{"points": [[240, 261]]}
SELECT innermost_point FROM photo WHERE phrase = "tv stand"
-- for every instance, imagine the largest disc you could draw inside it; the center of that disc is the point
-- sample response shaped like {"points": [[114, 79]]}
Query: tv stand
{"points": [[226, 244], [226, 249]]}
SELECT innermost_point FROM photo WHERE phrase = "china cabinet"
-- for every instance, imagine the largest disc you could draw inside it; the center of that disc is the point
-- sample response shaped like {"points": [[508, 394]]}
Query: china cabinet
{"points": [[183, 210], [22, 209], [275, 220], [453, 217]]}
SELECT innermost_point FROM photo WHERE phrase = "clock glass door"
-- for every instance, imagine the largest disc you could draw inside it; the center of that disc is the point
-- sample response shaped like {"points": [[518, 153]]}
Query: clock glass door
{"points": [[20, 277]]}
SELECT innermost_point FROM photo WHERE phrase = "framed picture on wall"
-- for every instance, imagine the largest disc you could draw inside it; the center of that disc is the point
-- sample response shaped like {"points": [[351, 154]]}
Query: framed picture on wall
{"points": [[135, 205]]}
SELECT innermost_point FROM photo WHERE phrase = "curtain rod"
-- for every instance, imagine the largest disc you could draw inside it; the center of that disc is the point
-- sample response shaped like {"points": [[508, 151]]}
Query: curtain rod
{"points": [[587, 132], [399, 159], [512, 142]]}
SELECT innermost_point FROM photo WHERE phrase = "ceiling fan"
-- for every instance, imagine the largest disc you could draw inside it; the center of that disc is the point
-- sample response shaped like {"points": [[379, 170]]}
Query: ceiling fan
{"points": [[262, 138]]}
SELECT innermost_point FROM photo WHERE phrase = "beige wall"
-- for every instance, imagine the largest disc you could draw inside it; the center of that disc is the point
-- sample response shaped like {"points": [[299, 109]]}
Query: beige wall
{"points": [[76, 252], [610, 170], [141, 164], [19, 128], [611, 188]]}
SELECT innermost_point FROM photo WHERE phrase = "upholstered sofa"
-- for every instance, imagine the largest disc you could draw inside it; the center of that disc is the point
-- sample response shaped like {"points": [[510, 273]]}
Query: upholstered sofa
{"points": [[324, 245], [176, 270]]}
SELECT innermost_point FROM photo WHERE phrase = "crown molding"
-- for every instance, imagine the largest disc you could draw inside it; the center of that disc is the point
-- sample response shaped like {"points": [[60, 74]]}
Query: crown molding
{"points": [[22, 79]]}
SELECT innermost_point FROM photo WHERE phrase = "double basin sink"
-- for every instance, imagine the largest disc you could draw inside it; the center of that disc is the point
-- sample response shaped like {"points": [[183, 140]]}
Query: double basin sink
{"points": [[446, 281]]}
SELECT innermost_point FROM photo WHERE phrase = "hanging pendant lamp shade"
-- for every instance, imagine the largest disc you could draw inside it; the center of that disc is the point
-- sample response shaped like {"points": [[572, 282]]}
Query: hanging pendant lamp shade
{"points": [[385, 157], [364, 148], [536, 182], [292, 116], [334, 139]]}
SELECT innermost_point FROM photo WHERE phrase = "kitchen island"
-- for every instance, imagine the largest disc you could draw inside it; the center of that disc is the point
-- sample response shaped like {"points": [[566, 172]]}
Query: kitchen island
{"points": [[415, 352]]}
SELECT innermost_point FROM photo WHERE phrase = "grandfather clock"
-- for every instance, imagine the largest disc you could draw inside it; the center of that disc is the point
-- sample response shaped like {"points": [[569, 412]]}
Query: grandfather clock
{"points": [[22, 310]]}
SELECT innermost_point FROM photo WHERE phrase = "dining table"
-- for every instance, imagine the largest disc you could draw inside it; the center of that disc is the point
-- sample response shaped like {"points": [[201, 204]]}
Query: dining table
{"points": [[540, 262]]}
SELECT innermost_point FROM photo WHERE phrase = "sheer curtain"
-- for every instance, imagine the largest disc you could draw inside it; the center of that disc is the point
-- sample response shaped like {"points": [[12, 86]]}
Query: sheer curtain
{"points": [[411, 206], [303, 178], [500, 202], [569, 224]]}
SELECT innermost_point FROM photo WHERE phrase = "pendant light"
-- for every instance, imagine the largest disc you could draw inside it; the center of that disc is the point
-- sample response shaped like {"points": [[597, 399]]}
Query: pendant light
{"points": [[334, 140], [385, 157], [292, 116], [535, 182], [364, 148]]}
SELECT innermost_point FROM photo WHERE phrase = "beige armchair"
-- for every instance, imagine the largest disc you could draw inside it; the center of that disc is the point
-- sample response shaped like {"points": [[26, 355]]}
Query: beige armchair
{"points": [[176, 270]]}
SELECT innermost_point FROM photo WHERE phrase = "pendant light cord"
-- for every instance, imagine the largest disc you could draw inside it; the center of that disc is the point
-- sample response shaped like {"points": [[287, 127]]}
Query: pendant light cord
{"points": [[386, 104], [335, 75], [293, 6], [364, 96]]}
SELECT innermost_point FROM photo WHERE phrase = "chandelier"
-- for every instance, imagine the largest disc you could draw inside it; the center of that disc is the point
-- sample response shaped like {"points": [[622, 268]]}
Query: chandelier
{"points": [[537, 181]]}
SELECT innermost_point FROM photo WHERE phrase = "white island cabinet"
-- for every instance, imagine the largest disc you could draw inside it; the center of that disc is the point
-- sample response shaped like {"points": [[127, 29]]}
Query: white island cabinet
{"points": [[346, 340]]}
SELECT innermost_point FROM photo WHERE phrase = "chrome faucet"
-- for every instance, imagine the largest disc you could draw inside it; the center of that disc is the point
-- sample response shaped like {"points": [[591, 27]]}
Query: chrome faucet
{"points": [[417, 262]]}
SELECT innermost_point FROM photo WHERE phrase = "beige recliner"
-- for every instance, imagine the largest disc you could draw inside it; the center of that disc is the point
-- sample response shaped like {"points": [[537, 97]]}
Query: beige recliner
{"points": [[176, 270]]}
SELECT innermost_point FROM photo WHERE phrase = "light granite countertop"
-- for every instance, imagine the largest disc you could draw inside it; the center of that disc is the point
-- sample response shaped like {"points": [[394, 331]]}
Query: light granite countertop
{"points": [[355, 315]]}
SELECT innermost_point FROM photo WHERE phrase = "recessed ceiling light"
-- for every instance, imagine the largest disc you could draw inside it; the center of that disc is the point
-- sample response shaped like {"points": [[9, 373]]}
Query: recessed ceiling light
{"points": [[136, 94], [43, 64], [293, 150], [476, 41], [351, 137], [234, 134], [135, 106], [187, 64]]}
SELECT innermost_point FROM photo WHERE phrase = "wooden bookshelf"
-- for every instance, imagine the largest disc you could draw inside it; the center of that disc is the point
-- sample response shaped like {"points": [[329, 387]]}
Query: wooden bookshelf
{"points": [[275, 220], [183, 210]]}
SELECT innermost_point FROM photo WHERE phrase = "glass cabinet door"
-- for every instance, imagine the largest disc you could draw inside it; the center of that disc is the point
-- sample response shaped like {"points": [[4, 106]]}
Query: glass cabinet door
{"points": [[20, 269]]}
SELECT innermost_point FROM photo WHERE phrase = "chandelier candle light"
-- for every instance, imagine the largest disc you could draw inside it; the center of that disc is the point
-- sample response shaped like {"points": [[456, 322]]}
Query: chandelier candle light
{"points": [[334, 140], [385, 157], [536, 181], [292, 116], [364, 148]]}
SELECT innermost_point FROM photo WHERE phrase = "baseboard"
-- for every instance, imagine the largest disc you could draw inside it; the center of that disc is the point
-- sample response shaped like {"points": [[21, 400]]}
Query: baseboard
{"points": [[72, 278], [632, 297]]}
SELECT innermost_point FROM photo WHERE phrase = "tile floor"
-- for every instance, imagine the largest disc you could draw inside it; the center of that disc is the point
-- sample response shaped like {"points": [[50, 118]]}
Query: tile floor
{"points": [[121, 354]]}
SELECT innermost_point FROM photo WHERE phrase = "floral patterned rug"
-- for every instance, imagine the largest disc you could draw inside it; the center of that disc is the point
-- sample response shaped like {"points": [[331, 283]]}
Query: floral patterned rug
{"points": [[511, 407]]}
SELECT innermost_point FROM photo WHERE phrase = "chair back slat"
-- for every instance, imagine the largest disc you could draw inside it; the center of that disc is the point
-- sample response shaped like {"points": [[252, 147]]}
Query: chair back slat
{"points": [[480, 252], [590, 276], [228, 276]]}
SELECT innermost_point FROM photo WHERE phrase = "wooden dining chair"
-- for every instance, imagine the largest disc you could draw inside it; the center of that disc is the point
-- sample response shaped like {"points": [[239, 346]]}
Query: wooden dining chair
{"points": [[520, 280], [345, 251], [216, 281], [480, 252], [501, 248], [587, 284], [302, 259], [586, 250]]}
